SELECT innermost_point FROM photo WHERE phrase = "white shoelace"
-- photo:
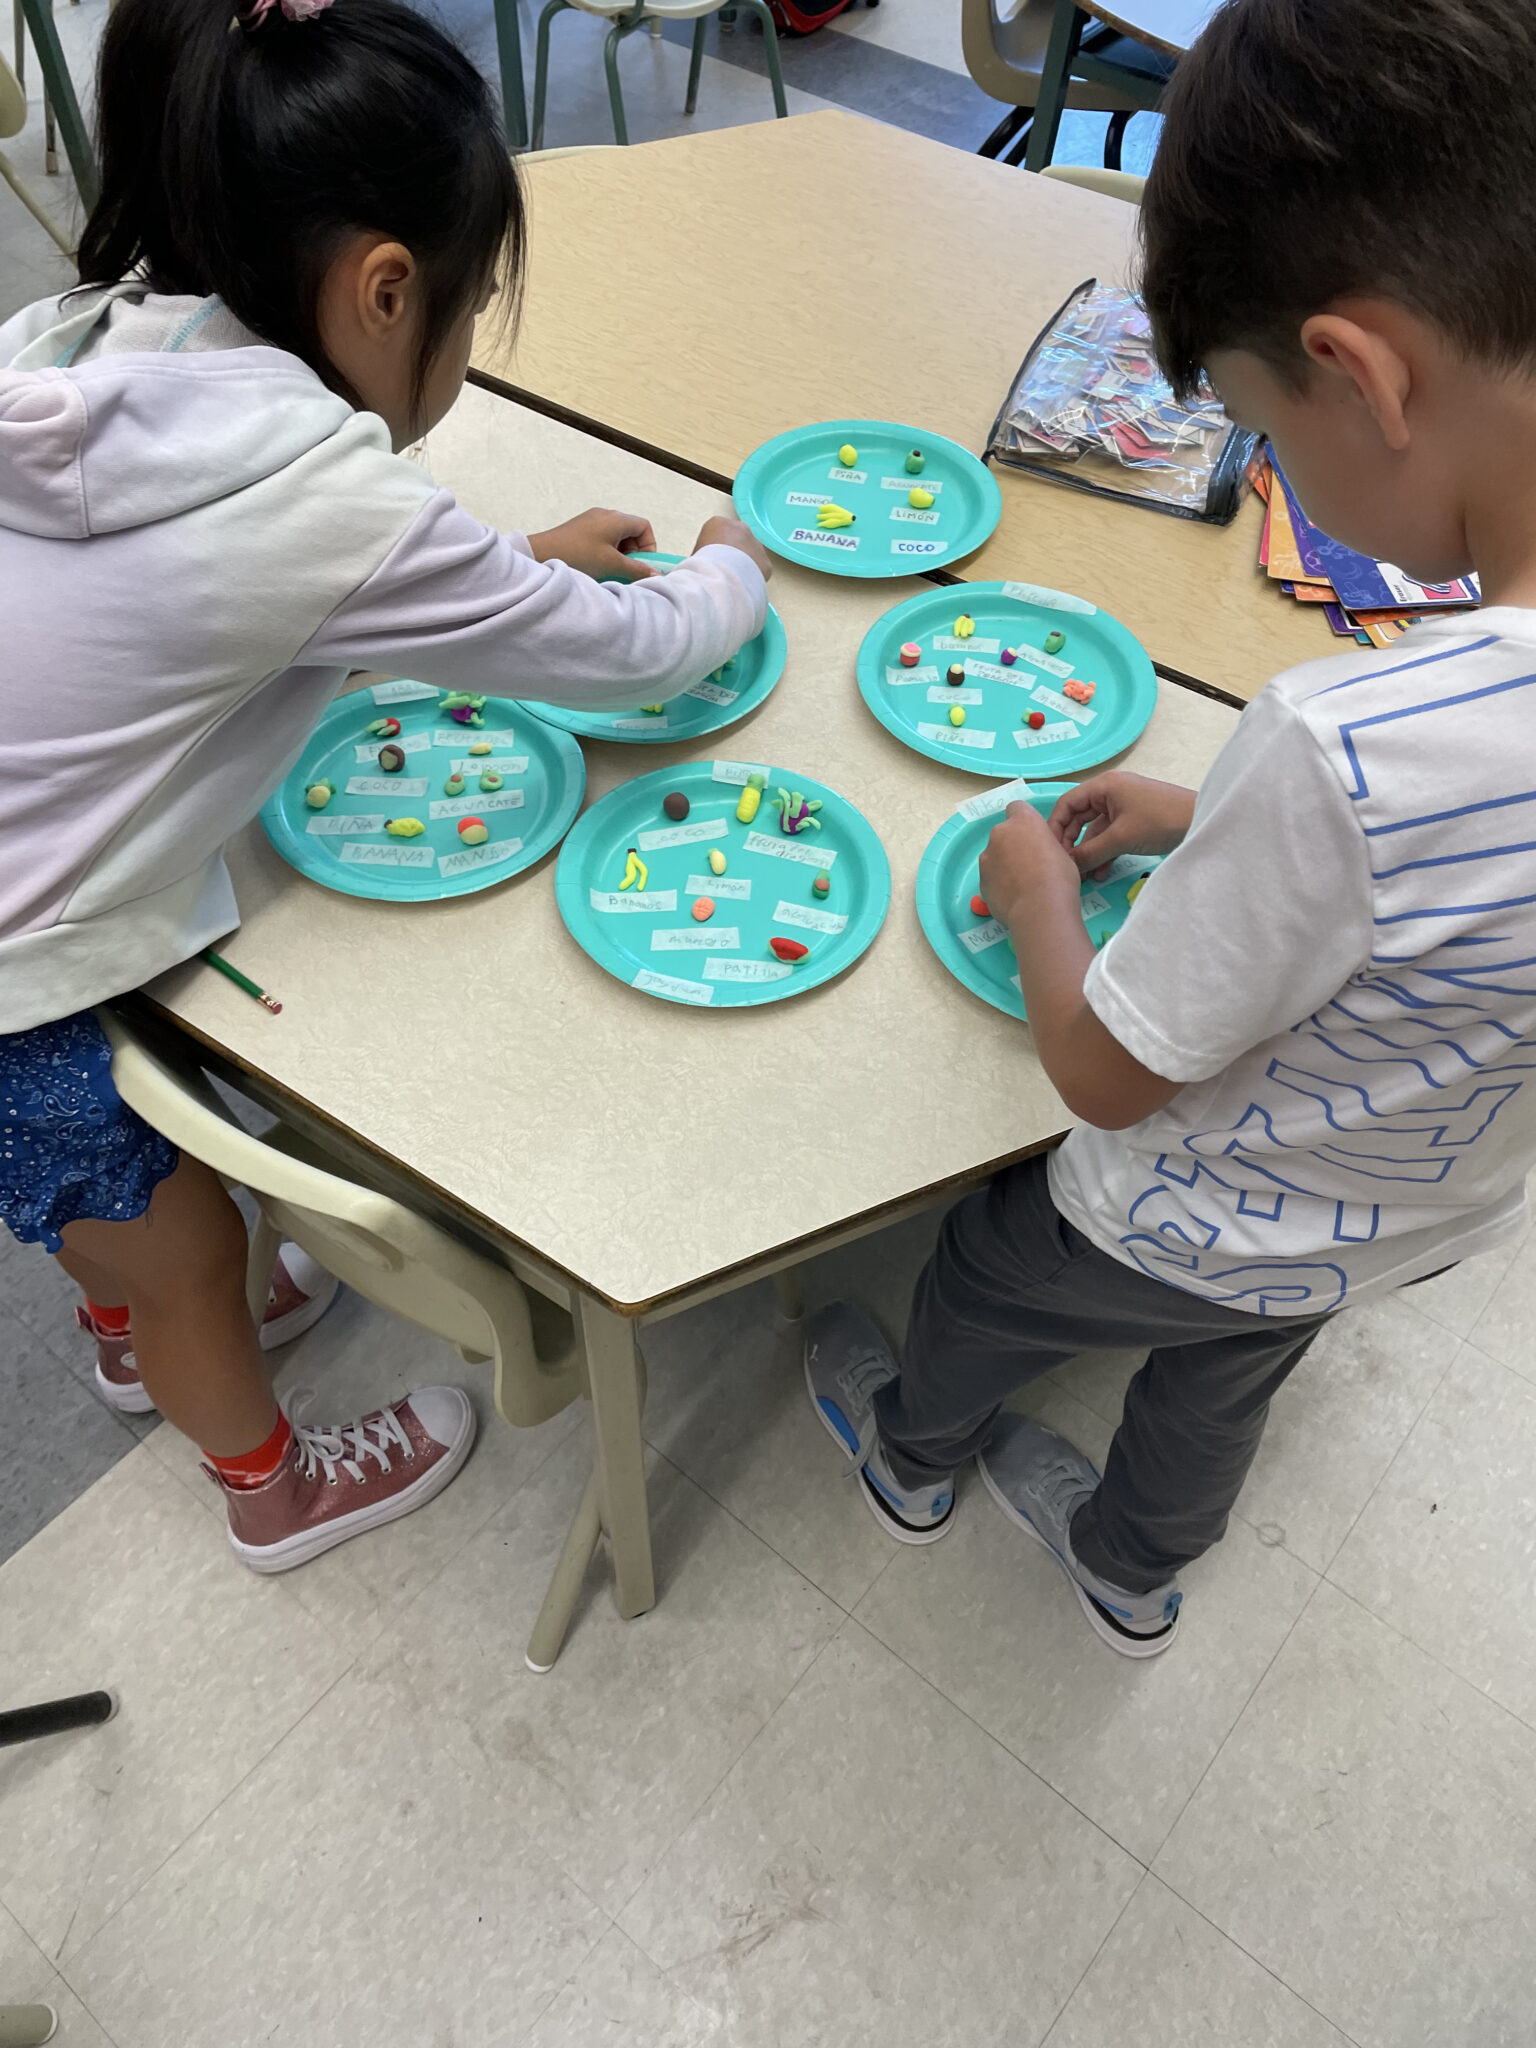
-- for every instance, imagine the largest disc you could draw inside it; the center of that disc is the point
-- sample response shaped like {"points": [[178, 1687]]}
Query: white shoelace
{"points": [[346, 1445]]}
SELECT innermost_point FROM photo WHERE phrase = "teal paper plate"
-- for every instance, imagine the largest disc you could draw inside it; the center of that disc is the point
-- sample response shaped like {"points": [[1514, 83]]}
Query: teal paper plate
{"points": [[781, 484], [711, 705], [647, 936], [977, 950], [914, 703], [345, 846]]}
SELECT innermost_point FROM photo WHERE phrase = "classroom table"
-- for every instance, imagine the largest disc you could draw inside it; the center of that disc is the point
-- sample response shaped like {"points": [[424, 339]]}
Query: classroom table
{"points": [[1167, 26], [625, 1156], [692, 298]]}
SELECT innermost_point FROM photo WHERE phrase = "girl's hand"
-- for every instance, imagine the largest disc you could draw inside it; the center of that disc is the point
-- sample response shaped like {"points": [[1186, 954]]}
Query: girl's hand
{"points": [[599, 543], [724, 532], [1118, 813], [1024, 865]]}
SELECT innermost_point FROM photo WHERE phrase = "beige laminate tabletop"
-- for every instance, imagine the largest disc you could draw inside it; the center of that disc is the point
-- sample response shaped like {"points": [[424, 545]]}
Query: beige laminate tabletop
{"points": [[700, 295], [638, 1147], [1166, 25]]}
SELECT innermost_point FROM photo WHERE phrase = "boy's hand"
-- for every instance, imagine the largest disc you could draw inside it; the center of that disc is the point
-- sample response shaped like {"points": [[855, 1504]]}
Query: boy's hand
{"points": [[723, 531], [1118, 813], [599, 543], [1023, 861]]}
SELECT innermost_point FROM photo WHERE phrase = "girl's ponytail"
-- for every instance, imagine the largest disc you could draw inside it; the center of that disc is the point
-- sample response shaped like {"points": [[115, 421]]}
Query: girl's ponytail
{"points": [[239, 151]]}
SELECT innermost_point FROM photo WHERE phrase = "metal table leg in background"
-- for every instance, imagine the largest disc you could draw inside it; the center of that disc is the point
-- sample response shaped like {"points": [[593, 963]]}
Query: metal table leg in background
{"points": [[61, 92]]}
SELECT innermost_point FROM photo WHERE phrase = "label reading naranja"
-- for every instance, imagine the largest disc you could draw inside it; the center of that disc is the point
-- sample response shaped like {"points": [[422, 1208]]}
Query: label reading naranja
{"points": [[611, 903], [926, 674], [1080, 713], [336, 828], [476, 764], [975, 645], [958, 736], [813, 536], [669, 985], [1048, 600], [913, 517], [810, 919], [400, 693], [408, 743], [995, 800], [790, 849], [713, 693], [738, 771], [1047, 736], [945, 694], [681, 835], [487, 856], [388, 856], [696, 938], [387, 785], [746, 970], [476, 806], [983, 936], [718, 885]]}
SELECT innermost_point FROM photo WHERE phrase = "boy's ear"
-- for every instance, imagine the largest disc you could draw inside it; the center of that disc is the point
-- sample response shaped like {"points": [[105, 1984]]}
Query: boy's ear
{"points": [[1363, 358]]}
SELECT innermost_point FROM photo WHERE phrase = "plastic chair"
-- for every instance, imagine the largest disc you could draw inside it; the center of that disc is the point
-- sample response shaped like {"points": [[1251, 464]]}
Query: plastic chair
{"points": [[629, 15], [1004, 47], [393, 1257], [1113, 184], [13, 118]]}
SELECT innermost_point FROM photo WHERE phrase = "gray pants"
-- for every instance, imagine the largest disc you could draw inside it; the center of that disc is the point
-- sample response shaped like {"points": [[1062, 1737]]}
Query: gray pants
{"points": [[1012, 1289]]}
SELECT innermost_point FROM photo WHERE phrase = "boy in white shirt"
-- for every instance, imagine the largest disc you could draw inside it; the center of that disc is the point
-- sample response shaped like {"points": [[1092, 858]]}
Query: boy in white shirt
{"points": [[1301, 1069]]}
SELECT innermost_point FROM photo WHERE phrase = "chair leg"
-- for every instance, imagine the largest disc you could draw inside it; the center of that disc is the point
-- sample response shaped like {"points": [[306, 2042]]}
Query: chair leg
{"points": [[514, 92], [60, 90], [771, 50], [695, 65], [611, 43], [1067, 26], [1006, 129], [565, 1586], [27, 2026], [615, 1377], [791, 1294], [1114, 138], [541, 67], [33, 205], [265, 1239]]}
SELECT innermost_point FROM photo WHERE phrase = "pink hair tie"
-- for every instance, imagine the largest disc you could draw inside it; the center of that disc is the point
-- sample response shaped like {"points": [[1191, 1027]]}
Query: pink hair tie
{"points": [[294, 10]]}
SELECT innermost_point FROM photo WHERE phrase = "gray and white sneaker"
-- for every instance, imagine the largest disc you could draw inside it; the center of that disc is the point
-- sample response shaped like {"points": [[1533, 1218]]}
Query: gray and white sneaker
{"points": [[847, 1362], [1039, 1481]]}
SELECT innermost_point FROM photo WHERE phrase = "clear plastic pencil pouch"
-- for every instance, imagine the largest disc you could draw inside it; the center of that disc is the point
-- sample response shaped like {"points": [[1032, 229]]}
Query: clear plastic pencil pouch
{"points": [[1090, 408]]}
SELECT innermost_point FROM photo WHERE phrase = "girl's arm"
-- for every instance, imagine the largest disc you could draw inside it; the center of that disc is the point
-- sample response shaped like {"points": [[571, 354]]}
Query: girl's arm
{"points": [[462, 606]]}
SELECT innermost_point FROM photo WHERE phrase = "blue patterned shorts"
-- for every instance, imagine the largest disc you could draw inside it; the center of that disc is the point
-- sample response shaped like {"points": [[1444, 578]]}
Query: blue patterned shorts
{"points": [[71, 1150]]}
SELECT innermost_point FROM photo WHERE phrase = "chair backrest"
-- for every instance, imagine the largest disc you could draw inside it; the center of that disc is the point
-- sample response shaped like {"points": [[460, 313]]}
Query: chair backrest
{"points": [[13, 103], [375, 1244], [1003, 43], [1113, 184]]}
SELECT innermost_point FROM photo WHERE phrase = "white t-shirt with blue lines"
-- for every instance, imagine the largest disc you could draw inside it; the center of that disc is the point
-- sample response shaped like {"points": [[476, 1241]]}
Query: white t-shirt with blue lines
{"points": [[1340, 963]]}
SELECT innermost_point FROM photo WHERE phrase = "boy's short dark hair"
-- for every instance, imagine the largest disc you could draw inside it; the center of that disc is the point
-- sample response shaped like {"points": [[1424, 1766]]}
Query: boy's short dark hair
{"points": [[1317, 148]]}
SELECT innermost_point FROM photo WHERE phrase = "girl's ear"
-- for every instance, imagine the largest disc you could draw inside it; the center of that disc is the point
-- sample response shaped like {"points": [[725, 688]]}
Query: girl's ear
{"points": [[384, 286]]}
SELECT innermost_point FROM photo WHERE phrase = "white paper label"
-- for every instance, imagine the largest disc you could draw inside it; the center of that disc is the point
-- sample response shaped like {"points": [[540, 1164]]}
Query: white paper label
{"points": [[809, 498], [491, 855], [948, 693], [400, 693], [1017, 983], [913, 517], [847, 476], [655, 723], [983, 936], [994, 800], [1047, 736], [476, 764], [336, 828], [475, 806], [818, 537], [713, 693], [994, 672], [462, 736], [975, 645], [696, 938], [669, 985], [959, 736], [927, 674], [682, 835], [1081, 714], [738, 771], [412, 743], [909, 483], [387, 785], [1036, 657], [1127, 864], [919, 547], [610, 901], [746, 970], [1094, 905], [1048, 600], [809, 917], [388, 856], [726, 886], [790, 849]]}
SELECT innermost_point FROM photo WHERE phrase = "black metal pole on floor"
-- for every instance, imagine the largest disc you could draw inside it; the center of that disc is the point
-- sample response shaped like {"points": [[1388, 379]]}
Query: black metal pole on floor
{"points": [[52, 1717]]}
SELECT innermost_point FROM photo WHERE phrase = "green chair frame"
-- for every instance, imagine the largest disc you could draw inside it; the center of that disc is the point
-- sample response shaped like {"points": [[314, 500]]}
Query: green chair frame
{"points": [[625, 25], [38, 15]]}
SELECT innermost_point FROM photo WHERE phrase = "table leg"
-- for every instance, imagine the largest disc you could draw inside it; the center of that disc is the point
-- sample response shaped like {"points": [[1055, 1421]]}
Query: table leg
{"points": [[61, 92], [791, 1294], [565, 1586], [1055, 77], [614, 1375], [509, 51]]}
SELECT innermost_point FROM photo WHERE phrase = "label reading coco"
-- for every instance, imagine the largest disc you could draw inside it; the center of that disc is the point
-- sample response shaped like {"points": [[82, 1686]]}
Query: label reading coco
{"points": [[681, 835], [669, 985], [919, 547], [790, 849], [808, 918], [387, 785], [945, 695]]}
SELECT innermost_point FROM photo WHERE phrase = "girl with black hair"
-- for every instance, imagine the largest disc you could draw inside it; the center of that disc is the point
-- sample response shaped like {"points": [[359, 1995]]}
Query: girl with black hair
{"points": [[205, 523]]}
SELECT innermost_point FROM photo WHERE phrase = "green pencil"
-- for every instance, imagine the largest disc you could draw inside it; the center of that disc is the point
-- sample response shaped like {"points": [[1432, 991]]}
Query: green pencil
{"points": [[233, 973]]}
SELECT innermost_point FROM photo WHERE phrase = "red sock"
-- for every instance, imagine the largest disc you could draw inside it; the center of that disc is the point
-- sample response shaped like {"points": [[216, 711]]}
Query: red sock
{"points": [[112, 1322], [251, 1468]]}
